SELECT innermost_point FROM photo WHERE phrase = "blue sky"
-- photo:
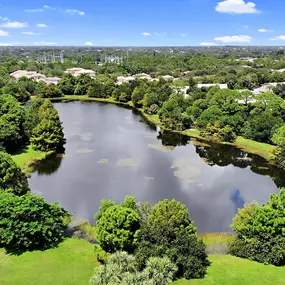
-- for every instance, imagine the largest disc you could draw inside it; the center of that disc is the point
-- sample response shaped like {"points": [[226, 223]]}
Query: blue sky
{"points": [[142, 23]]}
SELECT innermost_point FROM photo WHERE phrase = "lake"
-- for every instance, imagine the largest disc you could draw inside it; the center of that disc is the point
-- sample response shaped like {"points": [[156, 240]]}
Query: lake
{"points": [[110, 153]]}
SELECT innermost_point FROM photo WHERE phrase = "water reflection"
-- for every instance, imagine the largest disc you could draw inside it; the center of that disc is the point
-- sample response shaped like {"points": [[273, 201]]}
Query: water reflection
{"points": [[130, 157]]}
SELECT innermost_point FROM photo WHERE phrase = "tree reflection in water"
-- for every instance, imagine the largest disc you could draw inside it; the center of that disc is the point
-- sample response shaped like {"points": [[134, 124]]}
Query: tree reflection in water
{"points": [[224, 155]]}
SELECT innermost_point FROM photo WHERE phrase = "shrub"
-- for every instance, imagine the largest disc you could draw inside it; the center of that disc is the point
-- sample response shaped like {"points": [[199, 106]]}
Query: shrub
{"points": [[169, 232], [260, 232], [28, 222], [117, 229], [12, 179], [120, 269]]}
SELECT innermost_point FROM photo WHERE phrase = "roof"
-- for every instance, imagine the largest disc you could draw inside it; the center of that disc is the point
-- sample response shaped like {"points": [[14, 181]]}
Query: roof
{"points": [[222, 86]]}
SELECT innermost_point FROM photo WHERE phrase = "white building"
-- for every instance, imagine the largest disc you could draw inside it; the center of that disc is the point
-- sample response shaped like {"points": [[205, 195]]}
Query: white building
{"points": [[77, 71], [222, 86]]}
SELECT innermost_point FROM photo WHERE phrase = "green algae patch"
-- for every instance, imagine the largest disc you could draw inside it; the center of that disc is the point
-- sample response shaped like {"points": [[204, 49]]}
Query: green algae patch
{"points": [[127, 163]]}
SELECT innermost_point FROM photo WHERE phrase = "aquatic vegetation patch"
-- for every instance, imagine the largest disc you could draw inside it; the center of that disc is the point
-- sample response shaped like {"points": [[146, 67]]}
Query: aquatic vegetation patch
{"points": [[186, 170], [127, 162], [148, 178], [162, 148], [103, 161], [86, 137]]}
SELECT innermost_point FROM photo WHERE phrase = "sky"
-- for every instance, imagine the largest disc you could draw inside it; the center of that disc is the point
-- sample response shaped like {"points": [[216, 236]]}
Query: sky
{"points": [[142, 22]]}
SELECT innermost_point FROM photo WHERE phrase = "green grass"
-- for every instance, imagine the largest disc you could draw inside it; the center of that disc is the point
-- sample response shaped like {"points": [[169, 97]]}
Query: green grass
{"points": [[26, 157], [217, 243], [230, 270], [263, 149], [72, 263]]}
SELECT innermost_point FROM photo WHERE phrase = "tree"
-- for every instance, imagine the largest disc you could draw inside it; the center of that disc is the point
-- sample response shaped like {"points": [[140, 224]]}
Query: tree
{"points": [[67, 84], [118, 228], [138, 95], [12, 117], [209, 116], [260, 126], [278, 138], [260, 232], [28, 222], [170, 115], [165, 232], [105, 204], [48, 134], [16, 90], [51, 91], [12, 179]]}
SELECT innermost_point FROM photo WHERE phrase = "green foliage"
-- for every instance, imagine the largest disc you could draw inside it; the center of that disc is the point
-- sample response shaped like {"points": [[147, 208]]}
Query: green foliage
{"points": [[118, 228], [12, 117], [100, 254], [12, 179], [67, 84], [170, 115], [169, 232], [104, 205], [278, 138], [28, 222], [17, 90], [51, 91], [260, 232], [120, 269], [48, 134], [260, 126]]}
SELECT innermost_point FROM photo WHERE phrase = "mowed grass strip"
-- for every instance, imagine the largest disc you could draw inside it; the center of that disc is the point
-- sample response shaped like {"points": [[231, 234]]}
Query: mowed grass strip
{"points": [[230, 270], [71, 263]]}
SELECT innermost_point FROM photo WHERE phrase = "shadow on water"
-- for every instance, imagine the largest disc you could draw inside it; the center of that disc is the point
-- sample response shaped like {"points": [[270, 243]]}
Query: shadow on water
{"points": [[50, 165], [224, 155]]}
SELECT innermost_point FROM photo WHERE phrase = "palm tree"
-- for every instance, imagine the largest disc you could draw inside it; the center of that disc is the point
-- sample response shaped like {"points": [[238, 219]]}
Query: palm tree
{"points": [[160, 271]]}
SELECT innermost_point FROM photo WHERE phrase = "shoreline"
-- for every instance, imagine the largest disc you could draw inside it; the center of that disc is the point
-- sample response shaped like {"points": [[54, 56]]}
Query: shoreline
{"points": [[250, 146], [27, 158]]}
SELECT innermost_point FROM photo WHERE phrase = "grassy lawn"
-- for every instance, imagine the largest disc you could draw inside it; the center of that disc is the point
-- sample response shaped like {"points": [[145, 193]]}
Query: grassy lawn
{"points": [[263, 149], [229, 270], [28, 156], [72, 263]]}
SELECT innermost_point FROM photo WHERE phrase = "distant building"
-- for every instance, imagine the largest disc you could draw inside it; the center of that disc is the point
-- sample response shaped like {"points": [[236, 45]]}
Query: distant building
{"points": [[125, 79], [222, 86], [35, 76], [77, 71]]}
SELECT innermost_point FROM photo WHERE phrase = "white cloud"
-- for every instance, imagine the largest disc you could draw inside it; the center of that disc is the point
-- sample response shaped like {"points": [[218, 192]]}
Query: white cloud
{"points": [[74, 12], [45, 43], [4, 33], [236, 7], [89, 44], [31, 33], [48, 7], [265, 31], [14, 25], [146, 34], [282, 38], [42, 26], [33, 10], [8, 44], [184, 35], [160, 34], [234, 39], [4, 19], [208, 44]]}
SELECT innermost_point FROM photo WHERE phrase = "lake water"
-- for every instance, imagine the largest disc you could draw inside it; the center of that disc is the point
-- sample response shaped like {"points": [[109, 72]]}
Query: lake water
{"points": [[110, 153]]}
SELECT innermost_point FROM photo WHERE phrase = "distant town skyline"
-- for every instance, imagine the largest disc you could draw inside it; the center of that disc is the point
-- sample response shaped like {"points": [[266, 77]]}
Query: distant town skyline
{"points": [[142, 23]]}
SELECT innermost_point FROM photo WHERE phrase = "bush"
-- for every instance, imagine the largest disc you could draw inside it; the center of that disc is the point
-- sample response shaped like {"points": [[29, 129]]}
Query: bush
{"points": [[12, 179], [118, 228], [169, 232], [120, 269], [28, 222], [260, 232]]}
